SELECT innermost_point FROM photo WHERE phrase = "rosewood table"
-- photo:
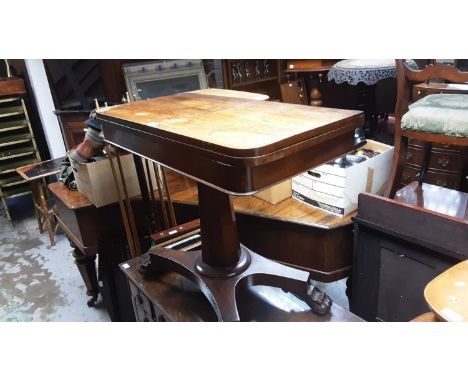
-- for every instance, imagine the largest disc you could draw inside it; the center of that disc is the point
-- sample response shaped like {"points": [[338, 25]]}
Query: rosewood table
{"points": [[230, 146]]}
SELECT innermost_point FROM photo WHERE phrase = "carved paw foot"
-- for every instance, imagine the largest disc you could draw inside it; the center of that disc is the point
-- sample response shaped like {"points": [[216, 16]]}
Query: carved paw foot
{"points": [[319, 301], [148, 270]]}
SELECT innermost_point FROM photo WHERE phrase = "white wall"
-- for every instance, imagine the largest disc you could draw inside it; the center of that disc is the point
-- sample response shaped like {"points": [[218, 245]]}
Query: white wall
{"points": [[45, 105]]}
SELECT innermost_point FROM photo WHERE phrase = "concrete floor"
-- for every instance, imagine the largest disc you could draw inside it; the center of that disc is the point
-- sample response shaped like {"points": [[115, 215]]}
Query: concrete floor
{"points": [[39, 282]]}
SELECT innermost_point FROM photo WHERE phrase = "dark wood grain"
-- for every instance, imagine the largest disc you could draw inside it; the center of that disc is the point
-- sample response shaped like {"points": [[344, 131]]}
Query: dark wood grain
{"points": [[400, 245], [172, 297], [11, 86], [289, 232], [72, 199]]}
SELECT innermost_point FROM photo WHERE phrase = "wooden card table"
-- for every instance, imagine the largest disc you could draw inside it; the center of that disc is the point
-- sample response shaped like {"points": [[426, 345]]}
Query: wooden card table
{"points": [[230, 146]]}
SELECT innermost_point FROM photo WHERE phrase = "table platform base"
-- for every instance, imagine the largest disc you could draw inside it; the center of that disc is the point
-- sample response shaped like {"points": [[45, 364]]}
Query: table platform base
{"points": [[221, 288]]}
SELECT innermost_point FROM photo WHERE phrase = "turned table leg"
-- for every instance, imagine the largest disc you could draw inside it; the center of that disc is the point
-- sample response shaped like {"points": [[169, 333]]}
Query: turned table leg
{"points": [[315, 96], [87, 267]]}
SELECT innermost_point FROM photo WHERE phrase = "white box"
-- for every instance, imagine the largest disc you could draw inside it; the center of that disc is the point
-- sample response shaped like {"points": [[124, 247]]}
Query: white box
{"points": [[335, 189], [96, 181]]}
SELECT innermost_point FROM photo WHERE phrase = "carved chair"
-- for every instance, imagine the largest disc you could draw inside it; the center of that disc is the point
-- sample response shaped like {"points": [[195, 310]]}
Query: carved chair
{"points": [[436, 118]]}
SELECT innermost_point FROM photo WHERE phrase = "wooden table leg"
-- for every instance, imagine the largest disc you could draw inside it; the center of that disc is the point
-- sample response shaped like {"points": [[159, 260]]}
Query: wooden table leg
{"points": [[315, 96], [87, 267], [42, 210], [35, 184]]}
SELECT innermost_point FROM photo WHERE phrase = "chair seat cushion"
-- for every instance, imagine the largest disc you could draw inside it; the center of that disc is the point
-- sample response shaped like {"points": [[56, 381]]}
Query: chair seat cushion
{"points": [[445, 114]]}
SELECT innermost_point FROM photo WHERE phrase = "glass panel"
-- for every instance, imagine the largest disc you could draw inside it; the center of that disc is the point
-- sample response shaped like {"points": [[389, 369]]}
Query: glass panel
{"points": [[167, 86]]}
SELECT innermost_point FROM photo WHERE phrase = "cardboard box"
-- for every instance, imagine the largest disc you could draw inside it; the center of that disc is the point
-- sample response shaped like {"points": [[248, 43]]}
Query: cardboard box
{"points": [[335, 189], [276, 193], [96, 181]]}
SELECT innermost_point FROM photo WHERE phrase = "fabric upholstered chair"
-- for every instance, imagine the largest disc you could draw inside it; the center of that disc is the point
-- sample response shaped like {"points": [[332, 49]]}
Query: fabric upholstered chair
{"points": [[436, 118]]}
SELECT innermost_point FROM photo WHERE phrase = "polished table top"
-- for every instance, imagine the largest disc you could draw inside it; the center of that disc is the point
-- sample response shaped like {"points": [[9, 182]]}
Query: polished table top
{"points": [[235, 144], [447, 294], [237, 126]]}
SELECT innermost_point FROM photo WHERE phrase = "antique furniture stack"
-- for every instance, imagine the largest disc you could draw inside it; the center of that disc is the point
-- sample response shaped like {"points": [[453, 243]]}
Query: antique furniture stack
{"points": [[17, 143], [448, 163], [230, 146], [404, 241], [436, 119]]}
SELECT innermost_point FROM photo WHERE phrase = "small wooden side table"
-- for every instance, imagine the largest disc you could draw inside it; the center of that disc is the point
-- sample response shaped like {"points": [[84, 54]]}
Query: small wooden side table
{"points": [[36, 173]]}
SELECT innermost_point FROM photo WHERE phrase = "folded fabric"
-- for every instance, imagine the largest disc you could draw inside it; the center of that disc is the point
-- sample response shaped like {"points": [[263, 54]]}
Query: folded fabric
{"points": [[445, 114]]}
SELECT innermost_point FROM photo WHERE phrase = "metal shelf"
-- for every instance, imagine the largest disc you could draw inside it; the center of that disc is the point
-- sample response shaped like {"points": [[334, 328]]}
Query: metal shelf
{"points": [[13, 125], [12, 166], [17, 152], [11, 180], [11, 110], [17, 147], [18, 190], [11, 99], [14, 139]]}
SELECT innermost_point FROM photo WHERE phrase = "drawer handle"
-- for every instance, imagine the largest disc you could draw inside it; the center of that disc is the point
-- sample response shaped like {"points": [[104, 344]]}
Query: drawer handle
{"points": [[441, 182], [443, 162], [406, 176], [419, 92], [409, 155], [446, 146]]}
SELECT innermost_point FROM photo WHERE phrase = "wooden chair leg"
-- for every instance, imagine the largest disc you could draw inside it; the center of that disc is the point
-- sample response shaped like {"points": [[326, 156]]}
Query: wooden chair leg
{"points": [[5, 207], [399, 160], [427, 147]]}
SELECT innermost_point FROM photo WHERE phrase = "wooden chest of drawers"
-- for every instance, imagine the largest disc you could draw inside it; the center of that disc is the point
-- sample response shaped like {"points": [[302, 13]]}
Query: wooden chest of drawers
{"points": [[448, 166]]}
